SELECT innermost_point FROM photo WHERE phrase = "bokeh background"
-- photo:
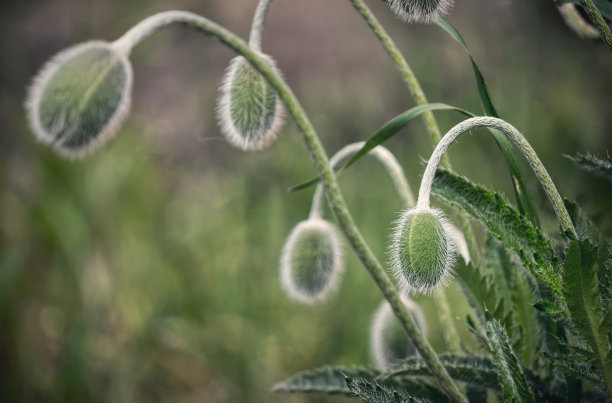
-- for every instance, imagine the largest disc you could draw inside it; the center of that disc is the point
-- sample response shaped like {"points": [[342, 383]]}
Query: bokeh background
{"points": [[149, 272]]}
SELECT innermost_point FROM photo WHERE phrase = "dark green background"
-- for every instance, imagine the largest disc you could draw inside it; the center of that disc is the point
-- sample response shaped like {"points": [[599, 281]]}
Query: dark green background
{"points": [[149, 271]]}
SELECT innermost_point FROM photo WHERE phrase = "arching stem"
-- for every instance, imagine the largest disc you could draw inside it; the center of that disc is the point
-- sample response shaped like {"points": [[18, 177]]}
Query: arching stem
{"points": [[258, 23], [322, 166], [382, 155], [519, 140]]}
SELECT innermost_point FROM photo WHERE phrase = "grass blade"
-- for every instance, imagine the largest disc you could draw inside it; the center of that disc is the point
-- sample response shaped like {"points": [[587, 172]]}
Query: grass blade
{"points": [[524, 202]]}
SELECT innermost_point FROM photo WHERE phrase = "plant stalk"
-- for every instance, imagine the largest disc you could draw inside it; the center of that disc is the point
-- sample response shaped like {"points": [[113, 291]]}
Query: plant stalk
{"points": [[598, 21], [322, 166]]}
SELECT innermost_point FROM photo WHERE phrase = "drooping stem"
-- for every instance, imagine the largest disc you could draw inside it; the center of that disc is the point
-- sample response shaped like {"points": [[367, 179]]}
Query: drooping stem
{"points": [[519, 140], [258, 23], [598, 21], [382, 155], [322, 166]]}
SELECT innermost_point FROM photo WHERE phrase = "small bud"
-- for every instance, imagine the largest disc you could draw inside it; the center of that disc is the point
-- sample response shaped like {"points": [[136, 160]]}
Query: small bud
{"points": [[249, 111], [79, 99], [425, 11], [422, 249], [311, 262], [388, 340]]}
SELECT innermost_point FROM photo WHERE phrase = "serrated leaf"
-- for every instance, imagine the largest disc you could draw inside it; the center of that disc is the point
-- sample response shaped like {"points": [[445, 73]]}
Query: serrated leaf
{"points": [[505, 360], [385, 132], [328, 380], [581, 291], [373, 392], [601, 167], [520, 189], [475, 370], [548, 307], [510, 227]]}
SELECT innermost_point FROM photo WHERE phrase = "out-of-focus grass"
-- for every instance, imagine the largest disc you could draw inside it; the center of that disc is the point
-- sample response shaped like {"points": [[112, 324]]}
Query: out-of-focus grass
{"points": [[149, 272]]}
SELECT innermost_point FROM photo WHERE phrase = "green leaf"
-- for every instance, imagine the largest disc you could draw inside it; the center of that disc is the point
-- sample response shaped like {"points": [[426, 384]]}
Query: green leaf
{"points": [[524, 201], [328, 380], [475, 370], [505, 360], [385, 132], [548, 307], [510, 227], [371, 391], [581, 291], [601, 167]]}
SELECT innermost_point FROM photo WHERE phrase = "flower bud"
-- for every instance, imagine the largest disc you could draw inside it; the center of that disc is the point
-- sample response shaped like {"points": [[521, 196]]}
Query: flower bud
{"points": [[388, 340], [311, 261], [420, 10], [249, 111], [79, 99], [422, 249]]}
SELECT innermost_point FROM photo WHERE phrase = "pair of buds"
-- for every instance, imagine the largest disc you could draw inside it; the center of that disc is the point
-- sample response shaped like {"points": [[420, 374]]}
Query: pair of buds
{"points": [[80, 98]]}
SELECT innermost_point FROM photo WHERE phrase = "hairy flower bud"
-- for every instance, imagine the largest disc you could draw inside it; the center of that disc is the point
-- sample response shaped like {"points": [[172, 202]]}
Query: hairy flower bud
{"points": [[388, 340], [249, 111], [311, 262], [422, 249], [420, 10], [80, 97]]}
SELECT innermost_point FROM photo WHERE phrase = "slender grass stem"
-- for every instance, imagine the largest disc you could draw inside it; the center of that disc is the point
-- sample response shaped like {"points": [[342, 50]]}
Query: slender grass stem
{"points": [[521, 143], [598, 21], [322, 166]]}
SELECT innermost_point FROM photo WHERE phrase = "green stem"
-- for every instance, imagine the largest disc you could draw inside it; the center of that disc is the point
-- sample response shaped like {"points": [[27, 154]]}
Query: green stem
{"points": [[430, 121], [258, 23], [321, 163], [445, 317], [598, 21]]}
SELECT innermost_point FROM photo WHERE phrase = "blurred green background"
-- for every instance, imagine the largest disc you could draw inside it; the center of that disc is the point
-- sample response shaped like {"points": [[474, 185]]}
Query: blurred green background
{"points": [[149, 272]]}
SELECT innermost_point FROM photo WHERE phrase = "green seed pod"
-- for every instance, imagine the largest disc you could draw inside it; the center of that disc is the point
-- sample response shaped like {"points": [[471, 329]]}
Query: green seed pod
{"points": [[79, 99], [388, 340], [425, 11], [422, 249], [249, 111], [311, 261]]}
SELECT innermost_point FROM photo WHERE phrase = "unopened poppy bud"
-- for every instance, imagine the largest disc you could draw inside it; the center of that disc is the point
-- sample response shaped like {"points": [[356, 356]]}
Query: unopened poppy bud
{"points": [[249, 111], [388, 340], [420, 10], [79, 99], [311, 261], [422, 249]]}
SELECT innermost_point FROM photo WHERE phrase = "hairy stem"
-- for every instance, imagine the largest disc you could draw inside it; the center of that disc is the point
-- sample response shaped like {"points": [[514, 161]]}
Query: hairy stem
{"points": [[382, 155], [258, 23], [322, 166], [519, 140], [598, 21], [574, 20]]}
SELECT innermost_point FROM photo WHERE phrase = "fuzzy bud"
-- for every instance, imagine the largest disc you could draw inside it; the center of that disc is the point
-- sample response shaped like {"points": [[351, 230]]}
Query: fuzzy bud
{"points": [[249, 111], [422, 249], [388, 340], [79, 99], [311, 261], [425, 11]]}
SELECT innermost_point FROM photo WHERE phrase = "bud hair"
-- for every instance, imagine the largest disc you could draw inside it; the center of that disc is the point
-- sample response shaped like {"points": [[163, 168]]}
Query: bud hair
{"points": [[311, 262], [388, 341], [249, 111], [80, 98], [425, 11], [422, 250]]}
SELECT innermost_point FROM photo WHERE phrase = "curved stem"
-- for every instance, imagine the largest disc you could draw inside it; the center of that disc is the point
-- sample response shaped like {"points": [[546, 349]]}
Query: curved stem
{"points": [[519, 140], [385, 157], [258, 22], [321, 163]]}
